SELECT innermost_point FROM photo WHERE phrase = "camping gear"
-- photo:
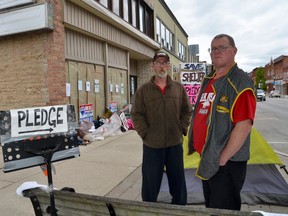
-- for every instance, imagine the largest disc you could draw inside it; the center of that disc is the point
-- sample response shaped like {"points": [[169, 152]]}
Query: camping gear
{"points": [[264, 183]]}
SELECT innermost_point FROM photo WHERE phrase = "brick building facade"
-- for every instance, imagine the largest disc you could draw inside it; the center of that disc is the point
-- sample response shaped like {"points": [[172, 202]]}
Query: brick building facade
{"points": [[276, 74], [32, 66], [88, 44]]}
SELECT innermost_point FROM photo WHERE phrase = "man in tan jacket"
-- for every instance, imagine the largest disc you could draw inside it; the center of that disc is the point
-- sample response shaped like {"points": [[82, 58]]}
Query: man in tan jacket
{"points": [[161, 114]]}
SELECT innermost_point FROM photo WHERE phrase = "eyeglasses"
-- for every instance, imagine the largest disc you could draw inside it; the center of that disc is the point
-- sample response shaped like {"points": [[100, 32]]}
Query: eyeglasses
{"points": [[219, 49], [161, 63]]}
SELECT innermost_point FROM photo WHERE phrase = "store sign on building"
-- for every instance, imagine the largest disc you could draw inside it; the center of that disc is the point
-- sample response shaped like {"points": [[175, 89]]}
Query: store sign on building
{"points": [[191, 76]]}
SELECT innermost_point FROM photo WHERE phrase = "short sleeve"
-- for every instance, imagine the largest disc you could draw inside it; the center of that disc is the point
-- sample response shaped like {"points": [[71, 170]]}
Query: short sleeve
{"points": [[245, 107]]}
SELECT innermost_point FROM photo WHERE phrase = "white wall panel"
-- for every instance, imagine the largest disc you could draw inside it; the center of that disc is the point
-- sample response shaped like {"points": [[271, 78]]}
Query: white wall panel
{"points": [[26, 19]]}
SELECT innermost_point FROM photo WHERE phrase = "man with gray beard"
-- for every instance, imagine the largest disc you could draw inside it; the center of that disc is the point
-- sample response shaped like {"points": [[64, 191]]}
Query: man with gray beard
{"points": [[161, 114]]}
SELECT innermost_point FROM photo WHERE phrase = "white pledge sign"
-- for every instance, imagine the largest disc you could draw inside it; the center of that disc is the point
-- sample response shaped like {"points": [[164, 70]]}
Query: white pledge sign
{"points": [[38, 121]]}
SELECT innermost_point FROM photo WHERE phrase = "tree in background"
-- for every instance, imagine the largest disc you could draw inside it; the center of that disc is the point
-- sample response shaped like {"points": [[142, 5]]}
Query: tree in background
{"points": [[260, 81]]}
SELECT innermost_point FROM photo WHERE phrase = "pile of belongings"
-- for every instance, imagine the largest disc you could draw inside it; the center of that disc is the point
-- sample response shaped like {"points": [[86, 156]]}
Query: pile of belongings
{"points": [[110, 124]]}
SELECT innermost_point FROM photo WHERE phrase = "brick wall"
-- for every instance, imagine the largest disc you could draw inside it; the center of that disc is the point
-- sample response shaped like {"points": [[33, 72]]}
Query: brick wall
{"points": [[32, 68], [144, 71], [55, 50]]}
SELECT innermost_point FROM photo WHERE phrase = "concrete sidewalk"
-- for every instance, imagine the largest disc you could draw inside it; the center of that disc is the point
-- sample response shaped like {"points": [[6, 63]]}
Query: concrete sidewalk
{"points": [[111, 168], [102, 166]]}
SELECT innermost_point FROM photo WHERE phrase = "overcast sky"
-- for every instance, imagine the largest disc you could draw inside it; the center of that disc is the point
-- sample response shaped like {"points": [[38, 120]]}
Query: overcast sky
{"points": [[259, 27]]}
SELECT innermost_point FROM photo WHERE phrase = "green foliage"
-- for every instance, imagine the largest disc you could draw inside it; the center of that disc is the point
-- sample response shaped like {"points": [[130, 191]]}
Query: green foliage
{"points": [[260, 79]]}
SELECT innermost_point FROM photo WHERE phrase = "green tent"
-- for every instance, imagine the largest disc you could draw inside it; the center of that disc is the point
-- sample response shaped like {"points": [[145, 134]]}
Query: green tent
{"points": [[260, 152], [264, 183]]}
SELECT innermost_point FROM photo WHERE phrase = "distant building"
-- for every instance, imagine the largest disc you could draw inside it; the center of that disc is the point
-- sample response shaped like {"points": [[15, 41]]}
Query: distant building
{"points": [[194, 52], [276, 74], [252, 74], [194, 49]]}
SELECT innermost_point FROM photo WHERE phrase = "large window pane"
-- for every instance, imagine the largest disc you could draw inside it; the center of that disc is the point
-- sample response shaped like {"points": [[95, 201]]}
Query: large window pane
{"points": [[104, 3], [163, 31], [137, 13], [164, 35], [158, 30], [181, 51], [172, 42], [126, 10], [141, 18], [167, 38], [134, 19], [115, 7], [148, 27]]}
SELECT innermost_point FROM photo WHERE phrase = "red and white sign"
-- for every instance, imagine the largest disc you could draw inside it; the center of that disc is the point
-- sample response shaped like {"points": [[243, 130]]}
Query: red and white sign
{"points": [[86, 112]]}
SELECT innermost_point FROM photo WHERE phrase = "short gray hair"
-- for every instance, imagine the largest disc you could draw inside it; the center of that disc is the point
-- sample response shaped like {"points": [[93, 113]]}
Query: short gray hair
{"points": [[231, 40]]}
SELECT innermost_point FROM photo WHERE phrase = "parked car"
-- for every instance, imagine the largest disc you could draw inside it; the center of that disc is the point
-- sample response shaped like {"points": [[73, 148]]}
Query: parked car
{"points": [[261, 95], [274, 94]]}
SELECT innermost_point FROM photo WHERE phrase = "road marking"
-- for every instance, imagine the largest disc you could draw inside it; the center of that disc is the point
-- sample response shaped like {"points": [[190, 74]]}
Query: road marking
{"points": [[281, 153], [266, 118]]}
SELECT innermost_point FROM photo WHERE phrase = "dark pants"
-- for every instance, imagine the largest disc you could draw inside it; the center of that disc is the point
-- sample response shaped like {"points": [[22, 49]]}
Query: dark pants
{"points": [[223, 189], [153, 164]]}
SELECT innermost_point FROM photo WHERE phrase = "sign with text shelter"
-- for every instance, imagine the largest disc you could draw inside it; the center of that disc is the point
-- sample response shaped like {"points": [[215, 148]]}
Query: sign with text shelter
{"points": [[191, 76]]}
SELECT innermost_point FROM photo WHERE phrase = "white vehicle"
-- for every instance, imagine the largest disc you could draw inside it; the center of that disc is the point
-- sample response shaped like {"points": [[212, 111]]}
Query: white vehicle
{"points": [[261, 95], [274, 94]]}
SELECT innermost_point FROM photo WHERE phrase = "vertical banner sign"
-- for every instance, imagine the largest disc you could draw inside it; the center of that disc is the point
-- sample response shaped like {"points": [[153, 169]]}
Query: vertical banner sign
{"points": [[38, 121], [192, 75], [86, 112]]}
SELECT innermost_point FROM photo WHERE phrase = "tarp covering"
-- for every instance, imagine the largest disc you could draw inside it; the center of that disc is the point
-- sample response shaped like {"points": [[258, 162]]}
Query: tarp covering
{"points": [[110, 127], [264, 184]]}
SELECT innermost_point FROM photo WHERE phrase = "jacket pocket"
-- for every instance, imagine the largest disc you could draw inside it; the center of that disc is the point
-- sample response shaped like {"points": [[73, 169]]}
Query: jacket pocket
{"points": [[222, 109]]}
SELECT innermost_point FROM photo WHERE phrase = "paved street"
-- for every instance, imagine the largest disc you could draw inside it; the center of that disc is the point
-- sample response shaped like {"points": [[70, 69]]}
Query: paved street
{"points": [[272, 122]]}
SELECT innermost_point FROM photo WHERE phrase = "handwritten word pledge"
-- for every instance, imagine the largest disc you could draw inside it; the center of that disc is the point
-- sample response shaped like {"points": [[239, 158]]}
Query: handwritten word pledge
{"points": [[38, 121]]}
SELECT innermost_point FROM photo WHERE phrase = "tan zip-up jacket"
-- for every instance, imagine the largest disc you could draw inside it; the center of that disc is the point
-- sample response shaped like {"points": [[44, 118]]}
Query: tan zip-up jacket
{"points": [[159, 119]]}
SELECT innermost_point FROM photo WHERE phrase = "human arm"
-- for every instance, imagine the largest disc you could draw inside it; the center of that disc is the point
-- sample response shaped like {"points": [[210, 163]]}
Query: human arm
{"points": [[237, 138], [138, 115], [243, 116]]}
